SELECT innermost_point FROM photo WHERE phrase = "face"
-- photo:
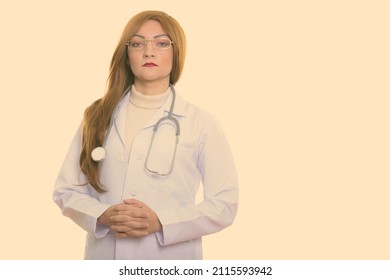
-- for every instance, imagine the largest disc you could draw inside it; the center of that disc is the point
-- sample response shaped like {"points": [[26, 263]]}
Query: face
{"points": [[149, 65]]}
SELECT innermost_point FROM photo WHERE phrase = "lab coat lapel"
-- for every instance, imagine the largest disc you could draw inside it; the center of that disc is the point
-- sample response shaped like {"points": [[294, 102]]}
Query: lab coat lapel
{"points": [[120, 119]]}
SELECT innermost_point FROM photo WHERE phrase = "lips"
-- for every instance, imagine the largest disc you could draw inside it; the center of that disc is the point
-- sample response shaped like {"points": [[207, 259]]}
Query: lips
{"points": [[149, 64]]}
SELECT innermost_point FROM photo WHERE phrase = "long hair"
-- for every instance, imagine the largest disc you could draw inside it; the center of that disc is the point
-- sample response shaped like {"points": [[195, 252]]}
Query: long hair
{"points": [[98, 115]]}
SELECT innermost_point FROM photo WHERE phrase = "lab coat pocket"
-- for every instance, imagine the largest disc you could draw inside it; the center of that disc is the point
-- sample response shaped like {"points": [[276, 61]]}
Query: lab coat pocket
{"points": [[166, 170]]}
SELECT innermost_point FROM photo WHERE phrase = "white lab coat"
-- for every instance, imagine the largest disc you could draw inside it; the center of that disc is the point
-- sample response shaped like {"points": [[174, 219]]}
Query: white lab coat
{"points": [[202, 154]]}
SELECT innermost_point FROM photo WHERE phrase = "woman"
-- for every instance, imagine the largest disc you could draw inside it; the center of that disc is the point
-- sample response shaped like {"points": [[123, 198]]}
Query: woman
{"points": [[135, 196]]}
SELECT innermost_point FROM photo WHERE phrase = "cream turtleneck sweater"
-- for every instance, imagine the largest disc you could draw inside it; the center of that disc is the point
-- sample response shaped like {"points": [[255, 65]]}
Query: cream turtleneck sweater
{"points": [[140, 109]]}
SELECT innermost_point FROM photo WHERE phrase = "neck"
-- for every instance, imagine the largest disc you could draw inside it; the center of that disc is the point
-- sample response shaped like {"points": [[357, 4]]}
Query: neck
{"points": [[151, 88], [143, 101]]}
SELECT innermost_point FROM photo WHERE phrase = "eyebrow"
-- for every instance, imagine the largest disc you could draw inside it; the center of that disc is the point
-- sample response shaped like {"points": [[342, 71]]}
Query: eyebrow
{"points": [[157, 36]]}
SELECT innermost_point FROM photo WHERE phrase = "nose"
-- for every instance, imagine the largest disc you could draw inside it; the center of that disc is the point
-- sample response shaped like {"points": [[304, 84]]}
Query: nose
{"points": [[148, 49]]}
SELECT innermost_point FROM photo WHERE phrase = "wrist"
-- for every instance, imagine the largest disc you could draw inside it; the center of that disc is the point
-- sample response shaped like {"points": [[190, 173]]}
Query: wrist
{"points": [[99, 220], [102, 219]]}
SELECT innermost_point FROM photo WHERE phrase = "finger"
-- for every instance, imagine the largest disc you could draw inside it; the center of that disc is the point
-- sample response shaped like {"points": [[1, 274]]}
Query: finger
{"points": [[129, 223], [129, 226], [134, 214], [134, 202], [121, 228], [134, 234], [121, 218], [123, 207], [121, 235]]}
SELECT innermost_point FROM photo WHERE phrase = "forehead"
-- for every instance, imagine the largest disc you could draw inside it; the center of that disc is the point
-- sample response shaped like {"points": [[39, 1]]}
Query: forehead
{"points": [[150, 28]]}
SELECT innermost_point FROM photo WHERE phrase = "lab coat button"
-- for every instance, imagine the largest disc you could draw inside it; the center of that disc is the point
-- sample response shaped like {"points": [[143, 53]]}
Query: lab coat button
{"points": [[120, 158]]}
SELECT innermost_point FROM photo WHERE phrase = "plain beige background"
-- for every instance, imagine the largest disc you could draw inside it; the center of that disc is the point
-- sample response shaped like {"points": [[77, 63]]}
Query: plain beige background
{"points": [[301, 89]]}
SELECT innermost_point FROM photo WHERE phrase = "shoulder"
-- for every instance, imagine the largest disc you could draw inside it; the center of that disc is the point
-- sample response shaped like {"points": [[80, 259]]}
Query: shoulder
{"points": [[197, 119], [188, 109]]}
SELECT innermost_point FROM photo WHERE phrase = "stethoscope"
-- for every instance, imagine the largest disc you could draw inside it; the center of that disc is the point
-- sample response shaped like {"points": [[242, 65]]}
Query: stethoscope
{"points": [[99, 153]]}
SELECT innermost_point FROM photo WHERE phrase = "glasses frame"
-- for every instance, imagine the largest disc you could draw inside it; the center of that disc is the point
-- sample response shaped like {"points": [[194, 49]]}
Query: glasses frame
{"points": [[145, 41]]}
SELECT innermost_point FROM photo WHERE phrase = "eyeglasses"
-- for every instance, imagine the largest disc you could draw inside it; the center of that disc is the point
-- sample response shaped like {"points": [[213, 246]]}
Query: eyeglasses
{"points": [[138, 44]]}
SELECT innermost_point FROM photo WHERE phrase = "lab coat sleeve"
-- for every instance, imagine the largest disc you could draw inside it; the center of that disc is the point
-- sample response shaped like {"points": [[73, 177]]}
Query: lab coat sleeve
{"points": [[74, 197], [220, 190]]}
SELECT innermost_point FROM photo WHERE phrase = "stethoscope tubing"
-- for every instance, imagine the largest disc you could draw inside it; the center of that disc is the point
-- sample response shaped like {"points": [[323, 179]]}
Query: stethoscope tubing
{"points": [[99, 153]]}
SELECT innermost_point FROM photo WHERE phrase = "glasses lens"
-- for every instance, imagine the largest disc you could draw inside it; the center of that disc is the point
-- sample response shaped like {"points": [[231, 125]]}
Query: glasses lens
{"points": [[162, 43], [136, 44], [158, 43]]}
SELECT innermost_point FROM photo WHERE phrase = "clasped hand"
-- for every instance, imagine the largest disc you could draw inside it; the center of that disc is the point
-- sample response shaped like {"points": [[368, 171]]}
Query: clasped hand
{"points": [[132, 218]]}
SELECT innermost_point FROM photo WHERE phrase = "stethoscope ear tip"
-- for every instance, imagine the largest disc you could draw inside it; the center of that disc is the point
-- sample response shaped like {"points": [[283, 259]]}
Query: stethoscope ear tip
{"points": [[98, 154]]}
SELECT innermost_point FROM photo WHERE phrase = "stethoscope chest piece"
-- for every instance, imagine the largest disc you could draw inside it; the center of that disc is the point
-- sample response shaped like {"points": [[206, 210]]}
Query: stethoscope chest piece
{"points": [[98, 154]]}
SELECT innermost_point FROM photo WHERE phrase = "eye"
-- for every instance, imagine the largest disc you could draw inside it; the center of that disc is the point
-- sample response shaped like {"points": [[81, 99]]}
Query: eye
{"points": [[162, 43], [136, 44]]}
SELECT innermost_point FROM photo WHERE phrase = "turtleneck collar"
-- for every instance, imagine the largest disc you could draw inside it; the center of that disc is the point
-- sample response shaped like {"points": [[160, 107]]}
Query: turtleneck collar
{"points": [[148, 101]]}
